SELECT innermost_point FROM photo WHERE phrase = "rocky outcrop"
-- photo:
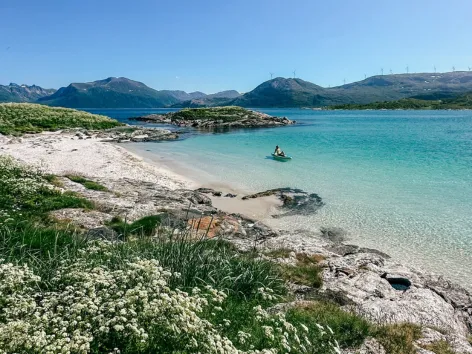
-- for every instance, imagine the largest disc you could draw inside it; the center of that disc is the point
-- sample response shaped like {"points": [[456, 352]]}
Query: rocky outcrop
{"points": [[364, 278], [295, 201], [178, 207], [218, 118], [126, 134]]}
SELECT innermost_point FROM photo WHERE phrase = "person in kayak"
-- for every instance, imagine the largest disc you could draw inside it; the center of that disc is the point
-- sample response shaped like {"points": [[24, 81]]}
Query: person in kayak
{"points": [[278, 151]]}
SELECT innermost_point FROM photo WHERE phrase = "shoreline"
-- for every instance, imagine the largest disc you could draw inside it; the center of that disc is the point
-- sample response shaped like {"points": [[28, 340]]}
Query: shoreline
{"points": [[363, 278], [260, 209]]}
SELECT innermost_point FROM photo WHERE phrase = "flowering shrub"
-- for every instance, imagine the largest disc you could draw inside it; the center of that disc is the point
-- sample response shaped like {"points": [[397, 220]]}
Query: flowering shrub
{"points": [[125, 307], [17, 182], [98, 309]]}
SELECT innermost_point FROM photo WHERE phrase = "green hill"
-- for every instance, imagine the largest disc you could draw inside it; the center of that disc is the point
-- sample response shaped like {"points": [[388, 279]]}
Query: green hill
{"points": [[110, 93], [17, 118], [282, 92], [460, 102]]}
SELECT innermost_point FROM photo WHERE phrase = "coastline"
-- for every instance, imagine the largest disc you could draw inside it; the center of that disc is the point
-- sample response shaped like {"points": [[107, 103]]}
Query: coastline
{"points": [[363, 277]]}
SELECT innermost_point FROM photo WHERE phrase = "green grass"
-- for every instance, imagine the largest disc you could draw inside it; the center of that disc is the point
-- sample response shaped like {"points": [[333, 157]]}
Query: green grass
{"points": [[398, 338], [440, 347], [279, 253], [349, 328], [19, 118], [87, 183], [305, 272]]}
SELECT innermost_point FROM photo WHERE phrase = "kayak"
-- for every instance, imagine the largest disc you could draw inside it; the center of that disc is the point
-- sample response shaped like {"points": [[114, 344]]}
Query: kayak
{"points": [[281, 158]]}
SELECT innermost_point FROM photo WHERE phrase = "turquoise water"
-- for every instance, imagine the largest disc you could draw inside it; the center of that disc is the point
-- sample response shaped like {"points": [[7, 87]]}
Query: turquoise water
{"points": [[398, 181]]}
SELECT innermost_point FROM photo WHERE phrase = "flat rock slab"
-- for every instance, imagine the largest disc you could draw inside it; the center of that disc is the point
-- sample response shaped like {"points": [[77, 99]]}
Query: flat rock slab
{"points": [[295, 201], [85, 219]]}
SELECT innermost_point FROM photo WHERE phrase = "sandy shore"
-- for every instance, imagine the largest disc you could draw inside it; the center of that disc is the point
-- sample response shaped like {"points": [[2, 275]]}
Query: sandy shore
{"points": [[65, 153]]}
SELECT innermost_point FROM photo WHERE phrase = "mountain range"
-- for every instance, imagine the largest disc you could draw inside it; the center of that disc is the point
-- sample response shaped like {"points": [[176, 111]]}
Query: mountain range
{"points": [[23, 93], [121, 92]]}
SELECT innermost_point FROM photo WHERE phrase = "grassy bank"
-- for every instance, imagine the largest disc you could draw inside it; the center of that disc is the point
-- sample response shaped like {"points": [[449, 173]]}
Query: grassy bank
{"points": [[18, 118]]}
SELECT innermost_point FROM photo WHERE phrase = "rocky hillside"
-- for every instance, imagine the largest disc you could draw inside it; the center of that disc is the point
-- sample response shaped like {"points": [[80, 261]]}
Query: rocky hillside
{"points": [[23, 93], [216, 118]]}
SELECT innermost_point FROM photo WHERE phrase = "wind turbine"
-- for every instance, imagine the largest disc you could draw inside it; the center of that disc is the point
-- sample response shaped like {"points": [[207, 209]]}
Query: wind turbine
{"points": [[453, 68], [435, 69], [294, 73], [469, 68], [407, 69], [344, 81], [365, 76], [382, 70], [271, 75], [391, 72]]}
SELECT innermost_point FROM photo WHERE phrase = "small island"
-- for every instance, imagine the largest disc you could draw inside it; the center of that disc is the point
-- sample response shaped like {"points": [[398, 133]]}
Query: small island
{"points": [[216, 118]]}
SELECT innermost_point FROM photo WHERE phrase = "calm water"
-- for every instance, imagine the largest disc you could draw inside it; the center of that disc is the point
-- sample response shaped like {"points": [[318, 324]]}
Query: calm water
{"points": [[397, 181]]}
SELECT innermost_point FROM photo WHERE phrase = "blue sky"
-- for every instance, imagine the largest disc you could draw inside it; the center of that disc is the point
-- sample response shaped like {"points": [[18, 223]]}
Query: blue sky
{"points": [[217, 45]]}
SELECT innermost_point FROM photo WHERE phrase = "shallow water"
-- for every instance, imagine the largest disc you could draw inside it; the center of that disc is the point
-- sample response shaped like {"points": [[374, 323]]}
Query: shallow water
{"points": [[398, 181]]}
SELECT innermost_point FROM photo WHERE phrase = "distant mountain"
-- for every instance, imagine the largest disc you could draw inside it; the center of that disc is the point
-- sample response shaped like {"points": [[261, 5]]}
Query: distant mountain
{"points": [[281, 92], [462, 101], [23, 93], [114, 92], [395, 87], [120, 92], [215, 99], [184, 96]]}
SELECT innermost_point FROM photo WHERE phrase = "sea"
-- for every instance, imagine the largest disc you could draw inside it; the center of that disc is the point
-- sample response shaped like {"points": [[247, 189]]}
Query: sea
{"points": [[396, 181]]}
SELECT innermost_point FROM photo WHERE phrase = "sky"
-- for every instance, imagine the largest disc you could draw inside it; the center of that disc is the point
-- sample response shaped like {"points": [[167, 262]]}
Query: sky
{"points": [[215, 45]]}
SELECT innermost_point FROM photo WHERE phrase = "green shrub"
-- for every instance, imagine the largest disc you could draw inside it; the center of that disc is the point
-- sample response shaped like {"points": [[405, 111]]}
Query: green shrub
{"points": [[25, 190], [349, 329]]}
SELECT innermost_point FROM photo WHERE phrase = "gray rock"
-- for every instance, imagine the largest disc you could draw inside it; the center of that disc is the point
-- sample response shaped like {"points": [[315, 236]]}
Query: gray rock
{"points": [[102, 233], [334, 234], [85, 219], [377, 300]]}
